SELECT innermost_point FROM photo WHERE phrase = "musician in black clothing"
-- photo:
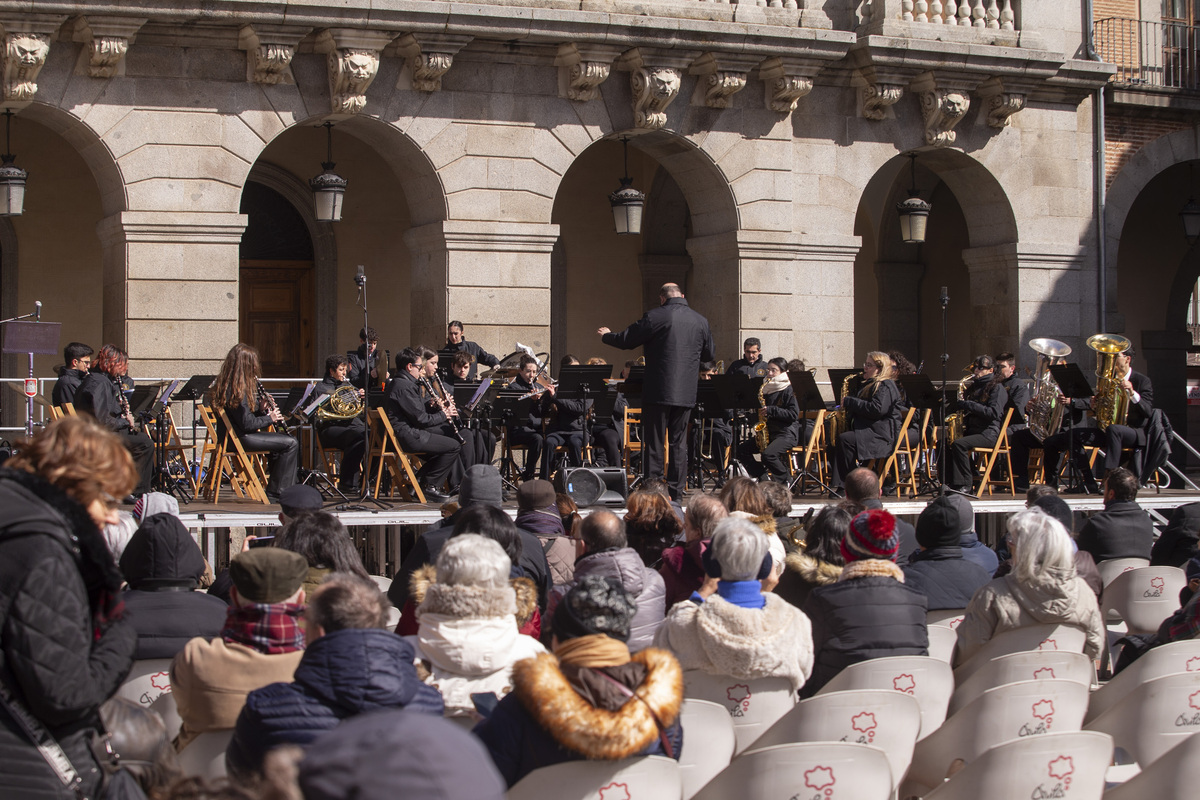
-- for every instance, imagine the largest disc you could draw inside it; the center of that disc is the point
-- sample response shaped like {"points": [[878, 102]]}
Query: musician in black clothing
{"points": [[528, 432], [780, 413], [436, 395], [719, 428], [1019, 396], [347, 435], [983, 405], [565, 428], [416, 426], [456, 342], [77, 359], [606, 433], [364, 362], [485, 440], [252, 415], [100, 395], [873, 416], [752, 362]]}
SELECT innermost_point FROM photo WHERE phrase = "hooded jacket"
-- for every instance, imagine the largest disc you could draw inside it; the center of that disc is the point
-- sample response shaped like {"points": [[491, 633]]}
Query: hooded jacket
{"points": [[1005, 604], [163, 566], [341, 675], [802, 573], [547, 526], [682, 570], [646, 585], [945, 578]]}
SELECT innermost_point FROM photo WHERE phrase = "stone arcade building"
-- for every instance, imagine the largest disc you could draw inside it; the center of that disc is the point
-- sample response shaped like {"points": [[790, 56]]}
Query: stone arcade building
{"points": [[169, 148]]}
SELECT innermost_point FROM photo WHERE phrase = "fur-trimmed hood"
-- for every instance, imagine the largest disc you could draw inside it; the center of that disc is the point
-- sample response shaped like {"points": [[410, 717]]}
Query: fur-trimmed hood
{"points": [[819, 573], [577, 725], [470, 601]]}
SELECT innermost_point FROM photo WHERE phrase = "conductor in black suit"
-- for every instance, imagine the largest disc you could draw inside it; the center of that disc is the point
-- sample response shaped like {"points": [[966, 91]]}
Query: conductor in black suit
{"points": [[675, 340]]}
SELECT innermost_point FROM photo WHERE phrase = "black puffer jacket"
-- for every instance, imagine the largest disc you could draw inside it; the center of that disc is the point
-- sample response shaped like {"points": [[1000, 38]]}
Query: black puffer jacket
{"points": [[945, 578], [55, 578]]}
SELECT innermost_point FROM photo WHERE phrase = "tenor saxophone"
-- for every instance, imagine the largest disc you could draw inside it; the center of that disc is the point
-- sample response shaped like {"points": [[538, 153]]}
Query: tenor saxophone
{"points": [[837, 418]]}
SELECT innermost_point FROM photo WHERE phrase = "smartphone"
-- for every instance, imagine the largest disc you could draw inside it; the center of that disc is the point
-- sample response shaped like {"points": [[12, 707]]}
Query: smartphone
{"points": [[262, 541]]}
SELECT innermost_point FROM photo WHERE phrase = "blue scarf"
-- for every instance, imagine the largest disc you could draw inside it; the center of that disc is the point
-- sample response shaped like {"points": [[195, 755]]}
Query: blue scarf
{"points": [[744, 594]]}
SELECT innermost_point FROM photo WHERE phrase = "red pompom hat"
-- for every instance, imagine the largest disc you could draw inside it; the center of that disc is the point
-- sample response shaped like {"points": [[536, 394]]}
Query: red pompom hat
{"points": [[872, 535]]}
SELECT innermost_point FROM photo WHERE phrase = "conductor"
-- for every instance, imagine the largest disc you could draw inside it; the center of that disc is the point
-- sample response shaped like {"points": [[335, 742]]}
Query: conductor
{"points": [[676, 340]]}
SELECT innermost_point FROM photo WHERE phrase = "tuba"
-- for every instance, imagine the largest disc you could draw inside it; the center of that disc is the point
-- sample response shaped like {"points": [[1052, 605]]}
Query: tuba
{"points": [[1111, 403], [1046, 412], [344, 403]]}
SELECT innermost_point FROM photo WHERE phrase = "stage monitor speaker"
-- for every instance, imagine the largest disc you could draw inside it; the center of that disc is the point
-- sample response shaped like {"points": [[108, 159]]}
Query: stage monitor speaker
{"points": [[591, 486]]}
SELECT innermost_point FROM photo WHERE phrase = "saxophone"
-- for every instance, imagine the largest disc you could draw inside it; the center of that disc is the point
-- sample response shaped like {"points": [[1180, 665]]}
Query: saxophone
{"points": [[1046, 412], [762, 436], [838, 421], [956, 423], [1111, 403]]}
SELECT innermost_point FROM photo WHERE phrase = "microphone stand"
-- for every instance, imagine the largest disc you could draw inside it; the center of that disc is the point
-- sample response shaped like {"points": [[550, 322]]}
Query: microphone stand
{"points": [[364, 473], [945, 298]]}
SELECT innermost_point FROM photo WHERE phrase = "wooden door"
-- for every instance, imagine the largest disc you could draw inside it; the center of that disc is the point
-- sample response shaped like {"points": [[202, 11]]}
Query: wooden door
{"points": [[277, 315]]}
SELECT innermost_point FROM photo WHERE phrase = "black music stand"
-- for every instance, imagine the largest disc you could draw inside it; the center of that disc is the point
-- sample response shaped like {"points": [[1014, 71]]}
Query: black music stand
{"points": [[193, 392], [510, 405], [920, 393], [1074, 385], [808, 398], [837, 377], [737, 394], [708, 407], [464, 393], [31, 338], [583, 382], [164, 480]]}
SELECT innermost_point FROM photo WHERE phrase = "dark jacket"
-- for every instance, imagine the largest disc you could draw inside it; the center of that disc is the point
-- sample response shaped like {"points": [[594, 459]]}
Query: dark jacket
{"points": [[56, 656], [163, 566], [99, 396], [1121, 530], [361, 366], [782, 412], [682, 570], [945, 578], [245, 419], [744, 367], [1141, 411], [341, 675], [1018, 397], [876, 418], [978, 552], [1157, 449], [984, 403], [1177, 544], [675, 340], [66, 386], [481, 356], [857, 619], [409, 413]]}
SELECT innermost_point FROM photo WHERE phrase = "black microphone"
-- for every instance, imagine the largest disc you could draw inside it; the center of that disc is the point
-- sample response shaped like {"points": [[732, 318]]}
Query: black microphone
{"points": [[360, 277], [945, 297], [37, 311]]}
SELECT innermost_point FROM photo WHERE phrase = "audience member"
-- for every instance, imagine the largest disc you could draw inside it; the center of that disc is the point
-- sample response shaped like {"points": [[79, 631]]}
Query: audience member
{"points": [[870, 612], [819, 562], [468, 638], [606, 554], [659, 485], [163, 565], [651, 525], [261, 643], [569, 511], [152, 503], [146, 760], [1178, 542], [1041, 589], [537, 513], [779, 500], [973, 550], [1039, 490], [325, 544], [1085, 566], [351, 665], [862, 486], [682, 568], [739, 630], [591, 698], [745, 494], [1123, 528], [938, 569], [297, 499], [66, 645]]}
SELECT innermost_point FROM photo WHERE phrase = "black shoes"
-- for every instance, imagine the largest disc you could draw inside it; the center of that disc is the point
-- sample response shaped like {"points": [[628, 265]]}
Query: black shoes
{"points": [[433, 496]]}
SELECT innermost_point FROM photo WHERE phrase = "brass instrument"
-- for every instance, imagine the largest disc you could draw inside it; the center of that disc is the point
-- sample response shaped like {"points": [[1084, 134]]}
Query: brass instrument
{"points": [[720, 368], [956, 423], [268, 402], [344, 403], [1110, 406], [762, 437], [442, 406], [640, 361], [383, 373], [838, 420], [1045, 413]]}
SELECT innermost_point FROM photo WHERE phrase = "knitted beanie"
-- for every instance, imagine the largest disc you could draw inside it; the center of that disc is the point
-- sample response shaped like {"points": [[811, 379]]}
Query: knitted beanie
{"points": [[872, 534]]}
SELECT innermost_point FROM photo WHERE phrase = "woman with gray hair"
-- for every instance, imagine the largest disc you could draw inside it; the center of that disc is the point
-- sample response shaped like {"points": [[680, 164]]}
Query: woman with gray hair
{"points": [[467, 637], [739, 630], [1042, 588]]}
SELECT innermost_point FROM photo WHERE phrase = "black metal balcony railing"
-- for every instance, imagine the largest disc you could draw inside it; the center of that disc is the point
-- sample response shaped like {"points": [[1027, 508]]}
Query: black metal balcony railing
{"points": [[1155, 54]]}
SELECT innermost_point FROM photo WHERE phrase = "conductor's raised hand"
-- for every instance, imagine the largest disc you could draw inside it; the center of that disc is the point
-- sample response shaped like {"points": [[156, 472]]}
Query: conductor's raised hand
{"points": [[602, 330]]}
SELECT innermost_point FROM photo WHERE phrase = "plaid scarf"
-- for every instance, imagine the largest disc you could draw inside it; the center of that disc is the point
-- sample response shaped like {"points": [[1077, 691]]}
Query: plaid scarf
{"points": [[270, 628]]}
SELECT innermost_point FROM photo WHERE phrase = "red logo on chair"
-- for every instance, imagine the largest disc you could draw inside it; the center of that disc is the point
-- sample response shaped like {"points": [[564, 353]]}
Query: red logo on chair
{"points": [[1043, 709], [864, 723], [1194, 700], [819, 778], [904, 683], [1156, 588], [954, 623], [1048, 644], [1062, 767], [1157, 583], [615, 791], [1193, 664], [1043, 674], [739, 693], [161, 680]]}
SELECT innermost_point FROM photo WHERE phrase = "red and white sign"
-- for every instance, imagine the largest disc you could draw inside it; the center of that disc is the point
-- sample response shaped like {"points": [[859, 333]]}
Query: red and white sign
{"points": [[31, 387]]}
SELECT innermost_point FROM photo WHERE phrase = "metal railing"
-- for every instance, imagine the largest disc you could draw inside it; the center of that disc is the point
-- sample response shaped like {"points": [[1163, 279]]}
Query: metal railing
{"points": [[1153, 54]]}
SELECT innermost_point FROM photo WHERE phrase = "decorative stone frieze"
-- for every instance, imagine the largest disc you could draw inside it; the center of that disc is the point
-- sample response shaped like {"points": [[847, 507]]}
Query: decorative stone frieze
{"points": [[1003, 99], [269, 51], [654, 80], [353, 62], [582, 67], [105, 42], [877, 97], [943, 104], [721, 76], [787, 80], [430, 55], [26, 45]]}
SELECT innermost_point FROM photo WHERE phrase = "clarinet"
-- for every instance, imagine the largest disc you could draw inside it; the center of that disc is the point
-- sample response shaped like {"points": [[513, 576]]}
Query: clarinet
{"points": [[433, 395], [265, 397], [124, 402]]}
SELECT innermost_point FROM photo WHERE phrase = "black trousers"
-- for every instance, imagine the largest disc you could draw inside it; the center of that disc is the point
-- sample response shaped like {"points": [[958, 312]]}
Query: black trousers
{"points": [[958, 459], [774, 457], [1054, 446], [845, 456], [347, 436], [533, 442], [1116, 438], [572, 440], [607, 445], [441, 455], [141, 449], [283, 456], [1022, 442], [659, 420]]}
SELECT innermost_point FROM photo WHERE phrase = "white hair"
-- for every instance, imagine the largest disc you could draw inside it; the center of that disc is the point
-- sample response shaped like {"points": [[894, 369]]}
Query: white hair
{"points": [[738, 545], [1042, 552], [473, 560]]}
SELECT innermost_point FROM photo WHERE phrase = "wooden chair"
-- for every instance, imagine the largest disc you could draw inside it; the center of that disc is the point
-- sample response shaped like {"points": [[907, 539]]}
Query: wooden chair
{"points": [[55, 412], [990, 454], [389, 452], [69, 409], [891, 465], [632, 418], [175, 451], [231, 456], [803, 458], [220, 467], [331, 458]]}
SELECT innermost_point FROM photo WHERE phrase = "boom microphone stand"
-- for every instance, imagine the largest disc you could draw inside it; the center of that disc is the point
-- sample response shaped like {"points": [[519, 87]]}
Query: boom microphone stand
{"points": [[364, 473], [945, 298]]}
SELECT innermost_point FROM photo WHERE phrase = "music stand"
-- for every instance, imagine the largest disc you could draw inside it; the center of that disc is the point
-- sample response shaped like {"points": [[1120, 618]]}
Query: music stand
{"points": [[143, 397], [583, 382], [1073, 384], [836, 378], [708, 407], [808, 398], [920, 392], [634, 382], [464, 393], [737, 394], [195, 388], [511, 406], [31, 338]]}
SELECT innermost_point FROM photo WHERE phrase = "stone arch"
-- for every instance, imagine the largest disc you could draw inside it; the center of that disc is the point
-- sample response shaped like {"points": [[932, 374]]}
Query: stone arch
{"points": [[94, 151]]}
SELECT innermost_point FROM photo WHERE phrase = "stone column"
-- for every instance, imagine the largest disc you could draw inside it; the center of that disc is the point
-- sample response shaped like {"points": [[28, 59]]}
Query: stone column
{"points": [[493, 276], [899, 305], [171, 288]]}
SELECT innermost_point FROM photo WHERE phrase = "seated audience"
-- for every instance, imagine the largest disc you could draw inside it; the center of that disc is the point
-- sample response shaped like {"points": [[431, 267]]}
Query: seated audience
{"points": [[862, 487], [744, 494], [468, 639], [146, 761], [1085, 566], [606, 553], [651, 525], [739, 631], [1178, 542], [819, 562], [870, 612], [537, 513], [590, 699], [163, 566], [1123, 528], [352, 665], [261, 643], [938, 569], [325, 544], [682, 569], [1042, 588], [779, 500]]}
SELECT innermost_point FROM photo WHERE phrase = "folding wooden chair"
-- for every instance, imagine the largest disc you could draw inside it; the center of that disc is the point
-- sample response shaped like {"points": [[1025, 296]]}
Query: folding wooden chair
{"points": [[1001, 448], [248, 467], [389, 452], [220, 463], [174, 450], [331, 457], [803, 458], [891, 466], [69, 409], [632, 419], [55, 412]]}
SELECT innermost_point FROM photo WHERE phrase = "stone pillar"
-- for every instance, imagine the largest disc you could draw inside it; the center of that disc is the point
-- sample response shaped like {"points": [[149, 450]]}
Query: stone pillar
{"points": [[171, 288], [660, 269], [899, 305], [493, 276], [994, 310]]}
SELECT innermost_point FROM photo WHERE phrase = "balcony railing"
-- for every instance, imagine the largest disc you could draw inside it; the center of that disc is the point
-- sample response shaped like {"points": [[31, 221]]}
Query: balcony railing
{"points": [[1153, 54]]}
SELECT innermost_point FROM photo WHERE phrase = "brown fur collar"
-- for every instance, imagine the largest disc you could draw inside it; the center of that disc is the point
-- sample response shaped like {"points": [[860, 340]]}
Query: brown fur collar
{"points": [[526, 590], [527, 599], [593, 732], [871, 568], [820, 573]]}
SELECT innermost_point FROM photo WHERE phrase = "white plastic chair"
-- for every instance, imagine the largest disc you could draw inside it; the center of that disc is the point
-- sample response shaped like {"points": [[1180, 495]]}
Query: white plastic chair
{"points": [[1176, 770], [393, 613], [754, 705], [1013, 711], [1034, 665], [1144, 597], [1115, 566], [1167, 659], [204, 756], [942, 641], [883, 718], [709, 743], [632, 778], [149, 685], [950, 617], [1152, 718], [804, 770], [926, 678], [1030, 637], [1051, 765]]}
